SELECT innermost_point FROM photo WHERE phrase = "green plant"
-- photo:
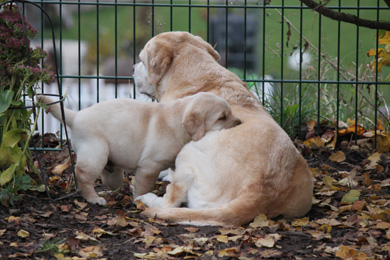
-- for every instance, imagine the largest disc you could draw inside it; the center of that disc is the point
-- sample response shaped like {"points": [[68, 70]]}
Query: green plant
{"points": [[20, 75], [52, 247]]}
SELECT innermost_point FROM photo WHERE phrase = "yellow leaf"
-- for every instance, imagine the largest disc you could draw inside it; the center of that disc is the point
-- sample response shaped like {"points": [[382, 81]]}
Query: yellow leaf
{"points": [[315, 142], [338, 156], [2, 231], [328, 181], [222, 238], [222, 253], [150, 255], [23, 233]]}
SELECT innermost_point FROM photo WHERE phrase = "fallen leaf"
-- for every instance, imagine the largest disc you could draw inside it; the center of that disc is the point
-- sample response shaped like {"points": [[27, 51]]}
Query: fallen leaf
{"points": [[222, 238], [350, 197], [2, 231], [192, 229], [300, 222], [374, 160], [23, 233], [314, 142], [61, 167], [91, 252], [260, 221], [82, 236], [268, 241], [338, 156], [150, 255], [14, 220]]}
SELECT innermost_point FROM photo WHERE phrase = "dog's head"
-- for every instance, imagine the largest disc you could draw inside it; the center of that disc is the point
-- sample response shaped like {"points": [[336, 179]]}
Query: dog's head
{"points": [[159, 54], [207, 112]]}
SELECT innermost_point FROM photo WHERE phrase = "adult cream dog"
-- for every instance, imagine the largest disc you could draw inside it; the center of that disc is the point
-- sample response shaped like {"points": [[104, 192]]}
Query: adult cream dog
{"points": [[230, 177], [139, 136]]}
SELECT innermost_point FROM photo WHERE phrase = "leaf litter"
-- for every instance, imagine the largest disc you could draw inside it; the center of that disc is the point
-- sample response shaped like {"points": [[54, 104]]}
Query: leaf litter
{"points": [[350, 217]]}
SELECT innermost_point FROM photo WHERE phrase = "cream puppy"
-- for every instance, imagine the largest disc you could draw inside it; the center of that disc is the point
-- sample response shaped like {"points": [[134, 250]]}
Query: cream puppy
{"points": [[138, 136], [226, 178]]}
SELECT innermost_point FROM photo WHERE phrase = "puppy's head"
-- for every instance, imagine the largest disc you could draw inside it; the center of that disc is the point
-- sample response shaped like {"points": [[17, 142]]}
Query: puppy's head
{"points": [[207, 112], [159, 54]]}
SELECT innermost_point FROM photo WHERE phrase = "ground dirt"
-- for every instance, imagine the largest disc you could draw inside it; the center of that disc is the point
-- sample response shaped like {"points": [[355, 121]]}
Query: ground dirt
{"points": [[341, 224]]}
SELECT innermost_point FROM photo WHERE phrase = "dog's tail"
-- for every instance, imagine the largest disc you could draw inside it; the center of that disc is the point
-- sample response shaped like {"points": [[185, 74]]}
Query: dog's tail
{"points": [[55, 110], [233, 214]]}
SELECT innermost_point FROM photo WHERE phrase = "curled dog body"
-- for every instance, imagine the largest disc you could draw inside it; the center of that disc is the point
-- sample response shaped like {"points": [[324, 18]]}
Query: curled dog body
{"points": [[226, 178]]}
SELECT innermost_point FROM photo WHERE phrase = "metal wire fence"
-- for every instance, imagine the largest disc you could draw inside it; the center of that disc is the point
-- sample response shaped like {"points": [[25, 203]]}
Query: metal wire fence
{"points": [[301, 65]]}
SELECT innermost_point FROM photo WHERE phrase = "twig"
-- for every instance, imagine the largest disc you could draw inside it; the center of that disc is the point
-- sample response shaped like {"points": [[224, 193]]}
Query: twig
{"points": [[348, 18]]}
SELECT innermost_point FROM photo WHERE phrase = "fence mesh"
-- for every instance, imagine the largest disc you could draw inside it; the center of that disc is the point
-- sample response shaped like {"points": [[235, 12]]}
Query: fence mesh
{"points": [[303, 66]]}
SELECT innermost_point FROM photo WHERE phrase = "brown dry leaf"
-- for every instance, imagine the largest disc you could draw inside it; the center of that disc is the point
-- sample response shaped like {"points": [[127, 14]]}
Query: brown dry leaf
{"points": [[91, 252], [2, 231], [311, 124], [374, 160], [383, 225], [65, 208], [271, 253], [383, 142], [183, 250], [350, 253], [338, 156], [81, 205], [316, 234], [14, 220], [61, 167], [82, 236], [99, 232], [192, 229], [300, 222], [120, 220], [230, 252], [260, 221], [268, 241]]}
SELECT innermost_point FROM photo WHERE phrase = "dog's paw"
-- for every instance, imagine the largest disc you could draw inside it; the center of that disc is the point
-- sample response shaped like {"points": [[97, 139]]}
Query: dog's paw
{"points": [[100, 201], [149, 199]]}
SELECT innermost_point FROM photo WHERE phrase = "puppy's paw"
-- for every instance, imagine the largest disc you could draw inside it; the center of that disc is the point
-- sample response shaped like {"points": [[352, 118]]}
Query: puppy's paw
{"points": [[100, 201], [149, 199]]}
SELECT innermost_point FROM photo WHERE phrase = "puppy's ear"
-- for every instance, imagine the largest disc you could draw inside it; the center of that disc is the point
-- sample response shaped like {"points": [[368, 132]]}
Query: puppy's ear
{"points": [[159, 60], [195, 125]]}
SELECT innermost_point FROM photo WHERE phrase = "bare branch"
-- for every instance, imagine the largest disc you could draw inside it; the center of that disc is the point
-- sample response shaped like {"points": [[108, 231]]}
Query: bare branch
{"points": [[348, 18]]}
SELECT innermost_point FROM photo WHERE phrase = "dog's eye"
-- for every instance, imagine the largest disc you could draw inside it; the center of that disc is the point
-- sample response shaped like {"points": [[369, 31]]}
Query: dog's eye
{"points": [[223, 118]]}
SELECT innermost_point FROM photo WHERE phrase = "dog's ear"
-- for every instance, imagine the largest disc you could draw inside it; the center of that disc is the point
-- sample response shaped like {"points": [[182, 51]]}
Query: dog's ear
{"points": [[159, 60], [195, 125], [206, 46]]}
